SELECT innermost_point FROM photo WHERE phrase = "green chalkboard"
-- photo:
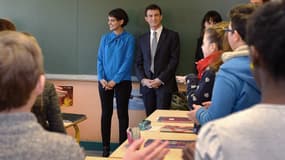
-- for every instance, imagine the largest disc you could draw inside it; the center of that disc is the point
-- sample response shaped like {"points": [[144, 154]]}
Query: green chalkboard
{"points": [[69, 31]]}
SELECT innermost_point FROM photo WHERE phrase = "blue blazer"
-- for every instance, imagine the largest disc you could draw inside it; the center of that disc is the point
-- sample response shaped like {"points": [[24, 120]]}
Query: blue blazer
{"points": [[165, 61]]}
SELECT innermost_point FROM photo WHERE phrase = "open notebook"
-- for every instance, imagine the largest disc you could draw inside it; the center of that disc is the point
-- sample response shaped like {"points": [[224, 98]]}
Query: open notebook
{"points": [[170, 119], [174, 144], [177, 129]]}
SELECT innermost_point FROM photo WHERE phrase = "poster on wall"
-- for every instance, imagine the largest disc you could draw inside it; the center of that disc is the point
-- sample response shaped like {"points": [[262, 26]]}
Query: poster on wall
{"points": [[66, 100]]}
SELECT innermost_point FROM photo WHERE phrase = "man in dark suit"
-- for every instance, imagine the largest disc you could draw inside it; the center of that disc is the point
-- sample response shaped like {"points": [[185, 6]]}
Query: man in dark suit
{"points": [[156, 62]]}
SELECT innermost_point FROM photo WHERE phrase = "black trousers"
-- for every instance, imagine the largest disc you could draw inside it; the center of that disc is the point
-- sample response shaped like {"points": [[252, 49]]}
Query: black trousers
{"points": [[154, 99], [122, 92]]}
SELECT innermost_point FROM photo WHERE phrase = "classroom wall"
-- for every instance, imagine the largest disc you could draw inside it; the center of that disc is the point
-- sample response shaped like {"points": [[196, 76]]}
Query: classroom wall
{"points": [[69, 31], [86, 101]]}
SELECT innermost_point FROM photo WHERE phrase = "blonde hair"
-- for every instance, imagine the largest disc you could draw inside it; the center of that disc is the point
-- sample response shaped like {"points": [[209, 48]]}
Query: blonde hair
{"points": [[21, 64], [217, 34]]}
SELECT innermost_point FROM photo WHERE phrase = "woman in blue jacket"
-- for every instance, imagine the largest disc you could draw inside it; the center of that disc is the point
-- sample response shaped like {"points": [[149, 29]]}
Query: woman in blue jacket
{"points": [[114, 65]]}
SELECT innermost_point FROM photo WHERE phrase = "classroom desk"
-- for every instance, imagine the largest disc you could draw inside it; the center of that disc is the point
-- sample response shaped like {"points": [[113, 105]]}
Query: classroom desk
{"points": [[72, 120], [153, 117], [154, 133]]}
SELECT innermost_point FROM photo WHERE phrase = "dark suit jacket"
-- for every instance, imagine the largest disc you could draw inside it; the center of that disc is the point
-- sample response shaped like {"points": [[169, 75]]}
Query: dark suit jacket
{"points": [[165, 61]]}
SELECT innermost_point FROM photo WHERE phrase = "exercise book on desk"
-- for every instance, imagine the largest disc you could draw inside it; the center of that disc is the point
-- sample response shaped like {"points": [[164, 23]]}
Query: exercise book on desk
{"points": [[169, 119], [176, 129], [173, 144]]}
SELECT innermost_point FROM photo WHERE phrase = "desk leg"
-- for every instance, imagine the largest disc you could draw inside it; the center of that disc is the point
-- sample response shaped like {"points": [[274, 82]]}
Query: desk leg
{"points": [[77, 133]]}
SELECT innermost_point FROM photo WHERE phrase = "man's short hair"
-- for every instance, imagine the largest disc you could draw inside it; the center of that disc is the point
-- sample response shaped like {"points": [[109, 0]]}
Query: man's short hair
{"points": [[5, 24], [265, 31], [152, 7], [238, 17], [21, 65]]}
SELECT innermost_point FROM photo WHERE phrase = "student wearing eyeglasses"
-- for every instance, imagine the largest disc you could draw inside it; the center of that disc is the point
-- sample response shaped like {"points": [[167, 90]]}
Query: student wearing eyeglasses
{"points": [[235, 88]]}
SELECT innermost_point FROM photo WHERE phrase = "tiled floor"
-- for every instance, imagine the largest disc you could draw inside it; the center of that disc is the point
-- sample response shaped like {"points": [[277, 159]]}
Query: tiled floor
{"points": [[93, 153]]}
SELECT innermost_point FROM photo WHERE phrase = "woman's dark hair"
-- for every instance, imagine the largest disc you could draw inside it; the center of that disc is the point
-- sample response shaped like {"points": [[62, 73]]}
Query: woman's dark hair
{"points": [[213, 16], [265, 31], [120, 14]]}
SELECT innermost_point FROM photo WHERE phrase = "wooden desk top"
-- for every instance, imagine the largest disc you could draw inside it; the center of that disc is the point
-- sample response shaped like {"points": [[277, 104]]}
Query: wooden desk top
{"points": [[154, 133], [171, 113]]}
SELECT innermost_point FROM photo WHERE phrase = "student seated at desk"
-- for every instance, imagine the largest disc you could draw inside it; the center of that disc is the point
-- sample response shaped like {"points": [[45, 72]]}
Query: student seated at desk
{"points": [[22, 80], [258, 132], [47, 110], [210, 18], [46, 107], [200, 86], [235, 88]]}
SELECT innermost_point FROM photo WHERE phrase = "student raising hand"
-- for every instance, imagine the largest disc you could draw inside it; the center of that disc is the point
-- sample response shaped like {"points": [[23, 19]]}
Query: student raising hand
{"points": [[155, 151]]}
